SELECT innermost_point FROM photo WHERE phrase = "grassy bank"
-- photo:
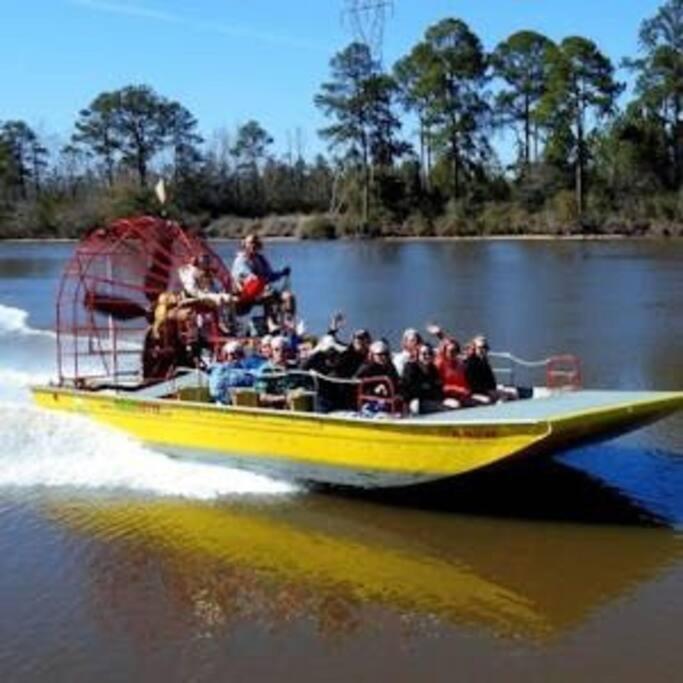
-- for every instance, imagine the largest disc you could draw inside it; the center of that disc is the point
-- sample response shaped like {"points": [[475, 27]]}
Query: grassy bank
{"points": [[660, 216]]}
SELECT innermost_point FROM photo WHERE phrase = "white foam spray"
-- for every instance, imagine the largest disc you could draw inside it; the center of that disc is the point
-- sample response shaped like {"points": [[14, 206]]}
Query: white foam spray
{"points": [[14, 321], [40, 448]]}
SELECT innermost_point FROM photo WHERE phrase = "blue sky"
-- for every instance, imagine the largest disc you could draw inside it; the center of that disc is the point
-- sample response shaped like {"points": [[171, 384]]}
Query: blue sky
{"points": [[232, 60]]}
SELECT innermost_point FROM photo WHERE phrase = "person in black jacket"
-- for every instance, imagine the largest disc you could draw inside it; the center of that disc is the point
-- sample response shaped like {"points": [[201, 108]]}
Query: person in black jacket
{"points": [[324, 360], [421, 383], [480, 376], [355, 354], [380, 366]]}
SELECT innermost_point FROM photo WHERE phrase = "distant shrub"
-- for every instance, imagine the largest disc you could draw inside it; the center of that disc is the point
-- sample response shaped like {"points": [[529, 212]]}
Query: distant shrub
{"points": [[319, 227], [562, 212], [499, 219], [417, 225], [456, 221]]}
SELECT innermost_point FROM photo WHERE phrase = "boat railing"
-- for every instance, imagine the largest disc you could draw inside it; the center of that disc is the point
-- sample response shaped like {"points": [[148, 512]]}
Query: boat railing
{"points": [[560, 372], [377, 394]]}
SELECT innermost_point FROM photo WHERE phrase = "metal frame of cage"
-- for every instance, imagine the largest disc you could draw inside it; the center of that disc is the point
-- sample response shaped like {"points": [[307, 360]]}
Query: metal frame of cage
{"points": [[109, 289]]}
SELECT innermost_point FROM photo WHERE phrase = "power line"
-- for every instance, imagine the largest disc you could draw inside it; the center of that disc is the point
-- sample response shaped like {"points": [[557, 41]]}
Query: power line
{"points": [[368, 20]]}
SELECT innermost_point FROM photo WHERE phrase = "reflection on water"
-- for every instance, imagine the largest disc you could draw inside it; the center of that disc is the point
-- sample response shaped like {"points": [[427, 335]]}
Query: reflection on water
{"points": [[336, 562]]}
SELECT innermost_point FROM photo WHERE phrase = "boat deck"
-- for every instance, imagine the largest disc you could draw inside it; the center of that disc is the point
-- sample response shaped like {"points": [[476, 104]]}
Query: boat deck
{"points": [[553, 408]]}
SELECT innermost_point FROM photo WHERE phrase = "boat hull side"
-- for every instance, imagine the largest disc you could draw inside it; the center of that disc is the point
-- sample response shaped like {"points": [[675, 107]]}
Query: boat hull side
{"points": [[319, 448]]}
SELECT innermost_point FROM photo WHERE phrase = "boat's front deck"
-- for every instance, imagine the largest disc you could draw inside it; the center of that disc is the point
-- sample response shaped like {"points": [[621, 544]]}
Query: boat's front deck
{"points": [[555, 407]]}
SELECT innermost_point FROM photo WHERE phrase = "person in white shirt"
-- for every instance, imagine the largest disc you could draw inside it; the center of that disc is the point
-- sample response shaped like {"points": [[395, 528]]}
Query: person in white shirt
{"points": [[410, 343]]}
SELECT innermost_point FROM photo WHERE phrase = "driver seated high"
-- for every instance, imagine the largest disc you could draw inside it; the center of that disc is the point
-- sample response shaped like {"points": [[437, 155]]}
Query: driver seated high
{"points": [[252, 275]]}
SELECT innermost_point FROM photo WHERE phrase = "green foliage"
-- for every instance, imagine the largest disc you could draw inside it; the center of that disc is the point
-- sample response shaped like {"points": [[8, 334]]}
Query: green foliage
{"points": [[344, 100], [455, 76], [564, 209], [25, 158], [417, 224], [659, 84], [131, 125], [318, 227], [359, 100], [580, 83], [251, 146], [522, 61]]}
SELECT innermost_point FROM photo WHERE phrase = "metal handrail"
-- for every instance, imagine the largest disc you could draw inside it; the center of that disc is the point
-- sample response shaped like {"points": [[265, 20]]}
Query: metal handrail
{"points": [[562, 370]]}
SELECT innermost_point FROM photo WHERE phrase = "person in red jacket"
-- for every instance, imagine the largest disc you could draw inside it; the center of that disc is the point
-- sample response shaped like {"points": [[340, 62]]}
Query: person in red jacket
{"points": [[452, 371], [451, 367]]}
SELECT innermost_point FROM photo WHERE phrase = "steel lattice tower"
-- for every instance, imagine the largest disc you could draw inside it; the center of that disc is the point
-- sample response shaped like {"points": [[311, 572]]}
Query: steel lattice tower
{"points": [[367, 19]]}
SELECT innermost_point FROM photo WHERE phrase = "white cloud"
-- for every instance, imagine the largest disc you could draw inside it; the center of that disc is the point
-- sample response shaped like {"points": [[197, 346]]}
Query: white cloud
{"points": [[229, 30], [128, 9]]}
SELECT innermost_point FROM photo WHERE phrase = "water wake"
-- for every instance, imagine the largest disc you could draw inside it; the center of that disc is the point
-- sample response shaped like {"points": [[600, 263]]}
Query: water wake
{"points": [[14, 321], [41, 448]]}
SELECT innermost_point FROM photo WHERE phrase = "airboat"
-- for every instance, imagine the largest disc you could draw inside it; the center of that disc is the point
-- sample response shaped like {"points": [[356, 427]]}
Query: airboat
{"points": [[105, 311]]}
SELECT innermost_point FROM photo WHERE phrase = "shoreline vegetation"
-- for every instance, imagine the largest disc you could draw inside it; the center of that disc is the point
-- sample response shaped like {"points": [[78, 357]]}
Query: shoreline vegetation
{"points": [[411, 151], [325, 227], [293, 229]]}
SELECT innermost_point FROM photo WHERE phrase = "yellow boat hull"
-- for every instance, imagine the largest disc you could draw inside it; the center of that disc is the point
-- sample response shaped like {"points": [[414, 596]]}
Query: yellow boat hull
{"points": [[354, 451]]}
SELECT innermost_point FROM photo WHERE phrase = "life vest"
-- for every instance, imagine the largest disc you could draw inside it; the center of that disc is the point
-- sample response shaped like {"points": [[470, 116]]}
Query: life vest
{"points": [[252, 288]]}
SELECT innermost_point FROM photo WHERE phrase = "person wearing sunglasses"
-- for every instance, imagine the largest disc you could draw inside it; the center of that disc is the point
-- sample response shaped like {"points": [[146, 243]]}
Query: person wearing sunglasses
{"points": [[421, 384], [379, 365], [480, 376]]}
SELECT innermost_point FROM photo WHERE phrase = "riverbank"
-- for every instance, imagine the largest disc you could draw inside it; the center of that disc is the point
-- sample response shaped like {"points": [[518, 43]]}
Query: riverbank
{"points": [[405, 240], [294, 227], [339, 227]]}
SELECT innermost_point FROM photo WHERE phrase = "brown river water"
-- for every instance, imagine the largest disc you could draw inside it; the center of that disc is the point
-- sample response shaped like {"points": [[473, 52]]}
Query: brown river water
{"points": [[119, 564]]}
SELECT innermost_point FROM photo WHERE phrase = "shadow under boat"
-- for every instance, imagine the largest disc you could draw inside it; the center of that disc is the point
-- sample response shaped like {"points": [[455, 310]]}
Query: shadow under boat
{"points": [[538, 488], [336, 562]]}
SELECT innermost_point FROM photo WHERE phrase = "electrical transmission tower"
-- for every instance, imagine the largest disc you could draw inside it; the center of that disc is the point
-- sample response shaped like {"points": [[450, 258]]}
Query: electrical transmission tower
{"points": [[367, 19]]}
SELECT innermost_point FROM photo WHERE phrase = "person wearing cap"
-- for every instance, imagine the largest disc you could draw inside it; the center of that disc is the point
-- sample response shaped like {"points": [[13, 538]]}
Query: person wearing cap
{"points": [[379, 365], [410, 342], [229, 374]]}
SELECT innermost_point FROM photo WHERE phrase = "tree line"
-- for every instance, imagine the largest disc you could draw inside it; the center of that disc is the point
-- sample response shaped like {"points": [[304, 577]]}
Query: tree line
{"points": [[410, 147]]}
